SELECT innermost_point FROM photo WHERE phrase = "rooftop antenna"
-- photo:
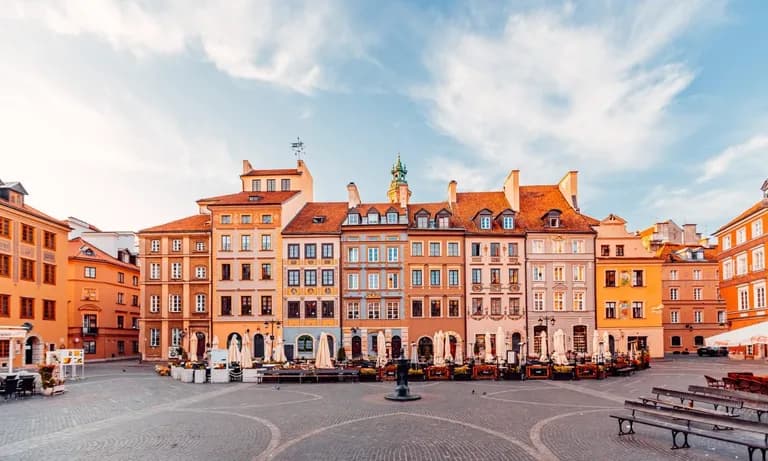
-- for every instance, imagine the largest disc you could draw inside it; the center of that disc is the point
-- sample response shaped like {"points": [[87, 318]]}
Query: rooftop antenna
{"points": [[298, 148]]}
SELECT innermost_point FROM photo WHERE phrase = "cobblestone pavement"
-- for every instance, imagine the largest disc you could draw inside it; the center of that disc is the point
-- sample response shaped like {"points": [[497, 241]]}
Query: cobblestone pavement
{"points": [[123, 411]]}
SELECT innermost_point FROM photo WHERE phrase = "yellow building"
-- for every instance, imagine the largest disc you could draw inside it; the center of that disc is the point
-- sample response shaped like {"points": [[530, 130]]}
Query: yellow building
{"points": [[629, 305], [33, 279]]}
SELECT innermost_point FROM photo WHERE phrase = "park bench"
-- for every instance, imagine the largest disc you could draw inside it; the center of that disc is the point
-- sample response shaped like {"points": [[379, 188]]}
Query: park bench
{"points": [[678, 421], [278, 376], [750, 401], [336, 375], [624, 371], [729, 403], [684, 406]]}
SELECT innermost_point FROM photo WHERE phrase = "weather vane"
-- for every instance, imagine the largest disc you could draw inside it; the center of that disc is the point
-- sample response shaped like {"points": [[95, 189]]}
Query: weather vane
{"points": [[298, 148]]}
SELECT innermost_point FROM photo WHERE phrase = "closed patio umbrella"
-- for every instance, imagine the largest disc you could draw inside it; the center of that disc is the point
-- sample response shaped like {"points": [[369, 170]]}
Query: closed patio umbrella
{"points": [[267, 349], [279, 351], [246, 361], [414, 354], [606, 346], [459, 352], [488, 352], [595, 346], [234, 351], [193, 348], [447, 353], [544, 353], [558, 355], [437, 349], [215, 343], [381, 349], [323, 355], [501, 345]]}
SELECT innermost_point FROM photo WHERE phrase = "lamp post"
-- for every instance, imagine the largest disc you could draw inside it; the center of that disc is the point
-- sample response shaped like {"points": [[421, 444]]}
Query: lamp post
{"points": [[545, 321], [271, 324]]}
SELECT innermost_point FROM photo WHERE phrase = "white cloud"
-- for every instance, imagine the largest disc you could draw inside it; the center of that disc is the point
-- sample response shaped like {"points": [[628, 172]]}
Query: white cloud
{"points": [[735, 156], [550, 91], [277, 42]]}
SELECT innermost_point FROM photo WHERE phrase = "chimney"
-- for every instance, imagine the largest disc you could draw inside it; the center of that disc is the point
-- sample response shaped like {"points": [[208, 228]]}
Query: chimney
{"points": [[403, 193], [512, 189], [569, 187], [690, 237], [452, 193], [353, 194], [246, 166]]}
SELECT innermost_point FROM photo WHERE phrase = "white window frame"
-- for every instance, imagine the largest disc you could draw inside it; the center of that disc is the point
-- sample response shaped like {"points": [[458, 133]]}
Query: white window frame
{"points": [[373, 281], [578, 301], [154, 271], [373, 255], [154, 303], [741, 264], [577, 246], [759, 295], [757, 228], [353, 310], [673, 274], [245, 242], [200, 302], [485, 222], [417, 248], [698, 317], [508, 222], [537, 246], [353, 281], [174, 303], [393, 310], [727, 269], [558, 301], [674, 317], [226, 243], [579, 272], [758, 259], [539, 273], [452, 249], [697, 294], [558, 273], [674, 294], [176, 271], [353, 254], [741, 236], [200, 272], [154, 337], [539, 300], [727, 242], [176, 245], [200, 246], [154, 246], [743, 298], [393, 254], [697, 274], [372, 310]]}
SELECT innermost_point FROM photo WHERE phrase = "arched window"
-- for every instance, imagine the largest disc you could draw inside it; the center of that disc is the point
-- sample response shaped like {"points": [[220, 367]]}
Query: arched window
{"points": [[357, 347], [396, 346], [258, 345], [425, 348], [235, 337], [305, 344], [201, 346], [516, 339]]}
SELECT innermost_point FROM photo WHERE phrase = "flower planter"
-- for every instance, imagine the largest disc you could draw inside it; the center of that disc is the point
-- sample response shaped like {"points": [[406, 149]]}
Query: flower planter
{"points": [[219, 375], [481, 372], [388, 373], [55, 390], [252, 375], [586, 372], [187, 375], [176, 372], [537, 372], [199, 376], [438, 373]]}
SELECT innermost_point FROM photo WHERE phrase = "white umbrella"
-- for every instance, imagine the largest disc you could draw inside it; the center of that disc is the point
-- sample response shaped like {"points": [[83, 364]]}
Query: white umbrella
{"points": [[381, 349], [279, 351], [234, 351], [606, 344], [215, 343], [745, 336], [323, 355], [267, 349], [447, 353], [459, 352], [488, 352], [193, 348], [437, 349], [558, 355], [595, 346], [414, 354], [501, 345], [544, 355], [247, 361]]}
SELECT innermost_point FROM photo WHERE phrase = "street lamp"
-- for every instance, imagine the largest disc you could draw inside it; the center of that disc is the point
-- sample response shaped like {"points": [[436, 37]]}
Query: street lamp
{"points": [[271, 324]]}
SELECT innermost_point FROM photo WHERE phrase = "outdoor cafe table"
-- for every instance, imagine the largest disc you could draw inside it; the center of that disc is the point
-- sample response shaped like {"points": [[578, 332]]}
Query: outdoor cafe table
{"points": [[22, 372]]}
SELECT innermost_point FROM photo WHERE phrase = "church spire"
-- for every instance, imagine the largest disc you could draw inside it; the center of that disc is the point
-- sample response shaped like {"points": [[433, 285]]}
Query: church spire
{"points": [[398, 188]]}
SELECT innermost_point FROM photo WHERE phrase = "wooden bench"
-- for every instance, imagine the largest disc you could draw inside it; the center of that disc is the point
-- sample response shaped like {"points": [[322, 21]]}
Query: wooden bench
{"points": [[625, 371], [277, 376], [660, 417], [684, 406], [336, 375], [750, 401], [728, 402]]}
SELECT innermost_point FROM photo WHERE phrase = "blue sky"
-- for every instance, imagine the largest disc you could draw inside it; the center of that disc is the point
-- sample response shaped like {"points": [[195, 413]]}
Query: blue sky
{"points": [[124, 113]]}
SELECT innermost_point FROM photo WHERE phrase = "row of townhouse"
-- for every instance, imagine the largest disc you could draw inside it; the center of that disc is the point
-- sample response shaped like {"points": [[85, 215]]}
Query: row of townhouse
{"points": [[272, 264], [59, 289]]}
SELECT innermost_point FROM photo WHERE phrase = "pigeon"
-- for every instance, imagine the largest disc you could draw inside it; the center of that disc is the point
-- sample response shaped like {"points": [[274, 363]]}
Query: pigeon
{"points": [[483, 393], [123, 370], [277, 388], [473, 391]]}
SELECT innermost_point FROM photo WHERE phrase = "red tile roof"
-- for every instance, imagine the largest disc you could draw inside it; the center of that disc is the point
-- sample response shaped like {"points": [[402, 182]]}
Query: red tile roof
{"points": [[304, 222], [749, 212], [468, 204], [382, 208], [537, 201], [195, 223], [668, 252], [278, 172], [250, 198], [77, 248]]}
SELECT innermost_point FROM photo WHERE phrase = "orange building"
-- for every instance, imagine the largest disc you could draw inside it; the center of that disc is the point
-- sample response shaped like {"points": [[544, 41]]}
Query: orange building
{"points": [[103, 305], [743, 276], [33, 293]]}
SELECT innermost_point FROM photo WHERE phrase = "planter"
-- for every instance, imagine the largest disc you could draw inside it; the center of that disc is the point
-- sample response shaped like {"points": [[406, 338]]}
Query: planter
{"points": [[388, 373], [219, 375], [199, 376], [176, 372], [586, 372], [252, 375], [537, 372], [55, 390], [187, 375], [435, 373], [481, 372]]}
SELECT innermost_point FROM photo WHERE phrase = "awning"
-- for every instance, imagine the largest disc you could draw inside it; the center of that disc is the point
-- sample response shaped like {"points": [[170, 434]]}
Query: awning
{"points": [[753, 334]]}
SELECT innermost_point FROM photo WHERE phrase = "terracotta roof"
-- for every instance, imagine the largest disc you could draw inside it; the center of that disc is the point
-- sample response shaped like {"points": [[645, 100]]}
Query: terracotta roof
{"points": [[284, 171], [382, 208], [305, 222], [196, 223], [749, 212], [35, 212], [77, 247], [250, 198], [468, 204], [537, 201], [668, 252], [433, 209]]}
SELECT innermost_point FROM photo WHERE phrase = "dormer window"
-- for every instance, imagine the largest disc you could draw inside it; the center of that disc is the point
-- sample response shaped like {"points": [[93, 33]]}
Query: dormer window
{"points": [[552, 219], [318, 219], [422, 222], [485, 222], [508, 222], [391, 217], [353, 218], [88, 252], [443, 222], [373, 217]]}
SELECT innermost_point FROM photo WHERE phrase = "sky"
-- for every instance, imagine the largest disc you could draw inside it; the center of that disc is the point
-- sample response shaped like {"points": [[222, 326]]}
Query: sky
{"points": [[123, 113]]}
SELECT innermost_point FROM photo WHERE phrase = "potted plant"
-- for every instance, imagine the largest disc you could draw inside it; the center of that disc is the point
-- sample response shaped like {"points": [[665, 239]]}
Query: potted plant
{"points": [[341, 355], [416, 374], [562, 372], [586, 371], [219, 374], [368, 374], [462, 373], [513, 373], [187, 373]]}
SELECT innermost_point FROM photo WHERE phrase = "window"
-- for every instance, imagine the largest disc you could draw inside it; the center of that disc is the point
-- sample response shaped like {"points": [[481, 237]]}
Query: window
{"points": [[200, 272], [374, 310], [270, 185], [741, 264], [5, 265], [697, 294], [49, 310], [416, 277], [28, 270], [328, 277], [495, 247], [538, 300], [310, 309], [373, 281], [154, 337], [637, 278], [373, 218], [417, 308], [226, 243], [392, 254], [285, 184], [27, 308], [741, 236], [353, 254], [760, 296], [245, 243], [393, 310], [673, 294], [610, 278], [485, 222], [246, 305], [305, 344], [353, 281], [392, 281], [434, 277], [743, 297], [199, 246], [373, 255], [89, 347], [727, 242], [637, 310], [294, 278], [310, 251], [477, 275], [226, 305], [453, 249], [580, 338], [435, 308], [226, 272], [721, 317], [578, 301], [174, 303], [537, 246], [619, 250], [226, 219], [757, 228], [558, 301], [327, 250], [512, 250], [90, 272], [176, 271], [558, 246], [610, 309], [121, 298], [697, 274], [579, 271], [514, 306], [293, 251], [5, 307], [200, 303], [698, 317], [310, 277], [135, 300], [673, 274], [266, 219], [5, 227], [154, 246], [508, 222], [495, 276], [475, 248], [453, 277], [328, 310], [477, 306], [176, 337], [256, 185], [154, 303], [266, 242], [434, 248], [514, 276], [558, 273], [49, 240], [266, 305], [49, 274], [605, 250], [27, 234], [417, 249], [353, 310], [675, 341], [698, 341], [577, 246], [353, 218], [553, 221], [422, 222], [294, 310], [727, 269], [453, 308], [538, 274], [758, 259], [674, 317], [391, 217]]}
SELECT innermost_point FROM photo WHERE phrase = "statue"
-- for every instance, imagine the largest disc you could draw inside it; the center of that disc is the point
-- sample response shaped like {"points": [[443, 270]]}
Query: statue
{"points": [[402, 392]]}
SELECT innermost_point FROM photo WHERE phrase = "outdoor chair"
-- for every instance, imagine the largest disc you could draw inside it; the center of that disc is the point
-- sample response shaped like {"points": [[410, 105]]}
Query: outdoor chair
{"points": [[10, 388], [729, 383], [713, 382], [26, 385]]}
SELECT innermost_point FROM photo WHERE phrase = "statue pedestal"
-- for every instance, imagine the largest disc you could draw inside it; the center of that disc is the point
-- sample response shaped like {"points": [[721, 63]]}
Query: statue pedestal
{"points": [[402, 394]]}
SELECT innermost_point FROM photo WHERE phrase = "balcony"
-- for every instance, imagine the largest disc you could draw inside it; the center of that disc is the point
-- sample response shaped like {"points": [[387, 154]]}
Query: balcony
{"points": [[93, 331]]}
